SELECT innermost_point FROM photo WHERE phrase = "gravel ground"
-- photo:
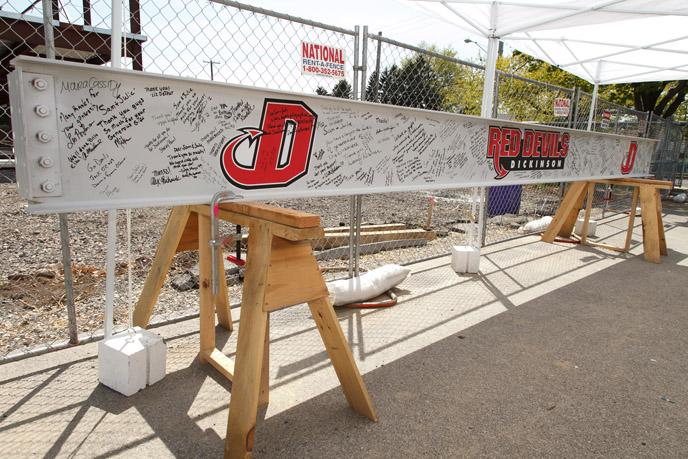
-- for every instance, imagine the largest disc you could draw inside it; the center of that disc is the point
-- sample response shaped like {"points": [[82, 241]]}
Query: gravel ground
{"points": [[31, 277]]}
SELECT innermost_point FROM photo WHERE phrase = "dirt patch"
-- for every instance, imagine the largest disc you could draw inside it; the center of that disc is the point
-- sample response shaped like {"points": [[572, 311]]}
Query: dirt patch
{"points": [[32, 309]]}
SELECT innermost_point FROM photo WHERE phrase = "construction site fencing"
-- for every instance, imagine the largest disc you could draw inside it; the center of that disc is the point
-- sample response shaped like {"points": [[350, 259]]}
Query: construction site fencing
{"points": [[46, 307]]}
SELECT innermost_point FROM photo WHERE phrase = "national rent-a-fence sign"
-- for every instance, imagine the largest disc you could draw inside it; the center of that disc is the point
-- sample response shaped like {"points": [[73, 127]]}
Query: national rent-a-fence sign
{"points": [[322, 60]]}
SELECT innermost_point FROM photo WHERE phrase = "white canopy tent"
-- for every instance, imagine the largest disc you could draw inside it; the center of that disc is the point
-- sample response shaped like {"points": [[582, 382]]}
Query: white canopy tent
{"points": [[601, 41]]}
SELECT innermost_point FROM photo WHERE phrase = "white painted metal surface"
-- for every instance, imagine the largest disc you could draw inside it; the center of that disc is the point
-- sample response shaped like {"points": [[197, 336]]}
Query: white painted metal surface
{"points": [[132, 139]]}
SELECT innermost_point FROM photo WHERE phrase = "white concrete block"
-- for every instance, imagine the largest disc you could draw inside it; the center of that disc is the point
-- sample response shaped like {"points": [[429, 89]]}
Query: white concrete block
{"points": [[129, 361], [465, 259], [592, 227]]}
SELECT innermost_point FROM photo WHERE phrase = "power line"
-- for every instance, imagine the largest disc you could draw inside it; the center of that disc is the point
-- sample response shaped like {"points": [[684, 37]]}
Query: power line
{"points": [[212, 73]]}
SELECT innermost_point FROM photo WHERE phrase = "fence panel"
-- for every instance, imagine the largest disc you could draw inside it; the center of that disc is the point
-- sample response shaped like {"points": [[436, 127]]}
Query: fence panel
{"points": [[610, 117], [510, 209], [244, 44], [407, 227], [523, 99], [198, 39]]}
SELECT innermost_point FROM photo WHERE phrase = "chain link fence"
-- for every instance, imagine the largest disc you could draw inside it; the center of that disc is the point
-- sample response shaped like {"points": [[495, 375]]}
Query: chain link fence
{"points": [[511, 208], [235, 43], [407, 227]]}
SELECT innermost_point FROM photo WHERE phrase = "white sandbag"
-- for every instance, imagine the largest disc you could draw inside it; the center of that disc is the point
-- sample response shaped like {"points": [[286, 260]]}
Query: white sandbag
{"points": [[465, 259], [368, 285], [680, 198], [592, 227], [537, 226]]}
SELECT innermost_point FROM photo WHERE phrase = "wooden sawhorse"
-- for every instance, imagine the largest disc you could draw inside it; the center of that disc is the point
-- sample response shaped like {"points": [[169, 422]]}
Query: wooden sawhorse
{"points": [[647, 191], [281, 271]]}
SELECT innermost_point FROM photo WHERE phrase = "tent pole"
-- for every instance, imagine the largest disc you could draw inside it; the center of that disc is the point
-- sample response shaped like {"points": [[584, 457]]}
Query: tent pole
{"points": [[593, 105], [595, 91], [115, 62], [487, 103], [116, 35], [490, 72]]}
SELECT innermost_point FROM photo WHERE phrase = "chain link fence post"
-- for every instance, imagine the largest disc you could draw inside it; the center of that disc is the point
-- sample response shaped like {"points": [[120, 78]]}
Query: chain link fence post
{"points": [[485, 191], [359, 198], [353, 203], [48, 16]]}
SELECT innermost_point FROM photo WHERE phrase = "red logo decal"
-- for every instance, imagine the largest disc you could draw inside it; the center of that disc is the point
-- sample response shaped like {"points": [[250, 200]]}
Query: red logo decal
{"points": [[514, 150], [281, 147], [629, 161]]}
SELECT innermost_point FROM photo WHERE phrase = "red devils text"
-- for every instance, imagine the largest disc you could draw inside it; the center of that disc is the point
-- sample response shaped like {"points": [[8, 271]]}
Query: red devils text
{"points": [[279, 150], [514, 150], [629, 161]]}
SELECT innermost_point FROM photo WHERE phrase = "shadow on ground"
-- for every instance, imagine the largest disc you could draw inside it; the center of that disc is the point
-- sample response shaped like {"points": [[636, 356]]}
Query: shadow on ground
{"points": [[595, 368]]}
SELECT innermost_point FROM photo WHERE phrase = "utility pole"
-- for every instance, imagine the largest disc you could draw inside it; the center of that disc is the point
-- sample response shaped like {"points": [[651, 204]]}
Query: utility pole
{"points": [[212, 74]]}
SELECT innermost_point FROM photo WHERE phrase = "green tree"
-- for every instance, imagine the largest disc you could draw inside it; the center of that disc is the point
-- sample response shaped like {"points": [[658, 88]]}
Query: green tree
{"points": [[460, 86], [535, 69], [413, 84], [373, 88], [342, 90], [663, 98]]}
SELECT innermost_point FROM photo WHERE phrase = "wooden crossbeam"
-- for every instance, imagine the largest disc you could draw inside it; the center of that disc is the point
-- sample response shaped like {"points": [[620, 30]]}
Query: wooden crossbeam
{"points": [[660, 184], [292, 233]]}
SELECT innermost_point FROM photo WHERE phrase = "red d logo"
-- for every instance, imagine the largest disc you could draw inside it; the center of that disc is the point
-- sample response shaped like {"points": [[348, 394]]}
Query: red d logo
{"points": [[277, 153], [628, 162]]}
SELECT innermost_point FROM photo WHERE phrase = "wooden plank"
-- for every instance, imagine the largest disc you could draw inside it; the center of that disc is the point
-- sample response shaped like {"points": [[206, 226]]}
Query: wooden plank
{"points": [[384, 227], [169, 240], [606, 246], [221, 300], [274, 214], [293, 275], [249, 355], [588, 208], [222, 363], [340, 354], [565, 218], [264, 394], [660, 225], [205, 289], [332, 240], [648, 204], [283, 231], [189, 238], [662, 184], [631, 219]]}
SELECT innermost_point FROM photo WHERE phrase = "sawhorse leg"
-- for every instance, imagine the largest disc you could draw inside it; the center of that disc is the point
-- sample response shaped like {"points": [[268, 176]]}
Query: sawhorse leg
{"points": [[265, 270], [654, 241], [588, 209], [565, 218], [631, 219], [167, 248], [243, 405], [341, 357], [662, 238]]}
